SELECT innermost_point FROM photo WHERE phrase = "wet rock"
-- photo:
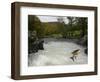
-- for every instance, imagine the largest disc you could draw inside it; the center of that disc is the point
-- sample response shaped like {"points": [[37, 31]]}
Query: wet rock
{"points": [[86, 51], [40, 45], [35, 46]]}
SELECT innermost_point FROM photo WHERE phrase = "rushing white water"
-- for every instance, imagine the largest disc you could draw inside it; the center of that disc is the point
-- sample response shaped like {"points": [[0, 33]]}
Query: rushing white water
{"points": [[57, 53]]}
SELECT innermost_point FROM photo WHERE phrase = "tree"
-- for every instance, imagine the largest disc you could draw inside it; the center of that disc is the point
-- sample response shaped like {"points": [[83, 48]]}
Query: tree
{"points": [[82, 23], [34, 24], [71, 20], [62, 26]]}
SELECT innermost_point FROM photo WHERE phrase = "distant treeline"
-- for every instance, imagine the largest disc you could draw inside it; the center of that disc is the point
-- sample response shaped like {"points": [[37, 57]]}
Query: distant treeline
{"points": [[75, 28]]}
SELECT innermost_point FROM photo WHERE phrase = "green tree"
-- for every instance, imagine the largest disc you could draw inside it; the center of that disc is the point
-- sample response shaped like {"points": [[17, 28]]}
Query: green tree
{"points": [[62, 26], [34, 24], [82, 23]]}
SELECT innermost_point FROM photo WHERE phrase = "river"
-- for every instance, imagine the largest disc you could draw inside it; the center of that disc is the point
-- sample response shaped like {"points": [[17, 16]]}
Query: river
{"points": [[57, 52]]}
